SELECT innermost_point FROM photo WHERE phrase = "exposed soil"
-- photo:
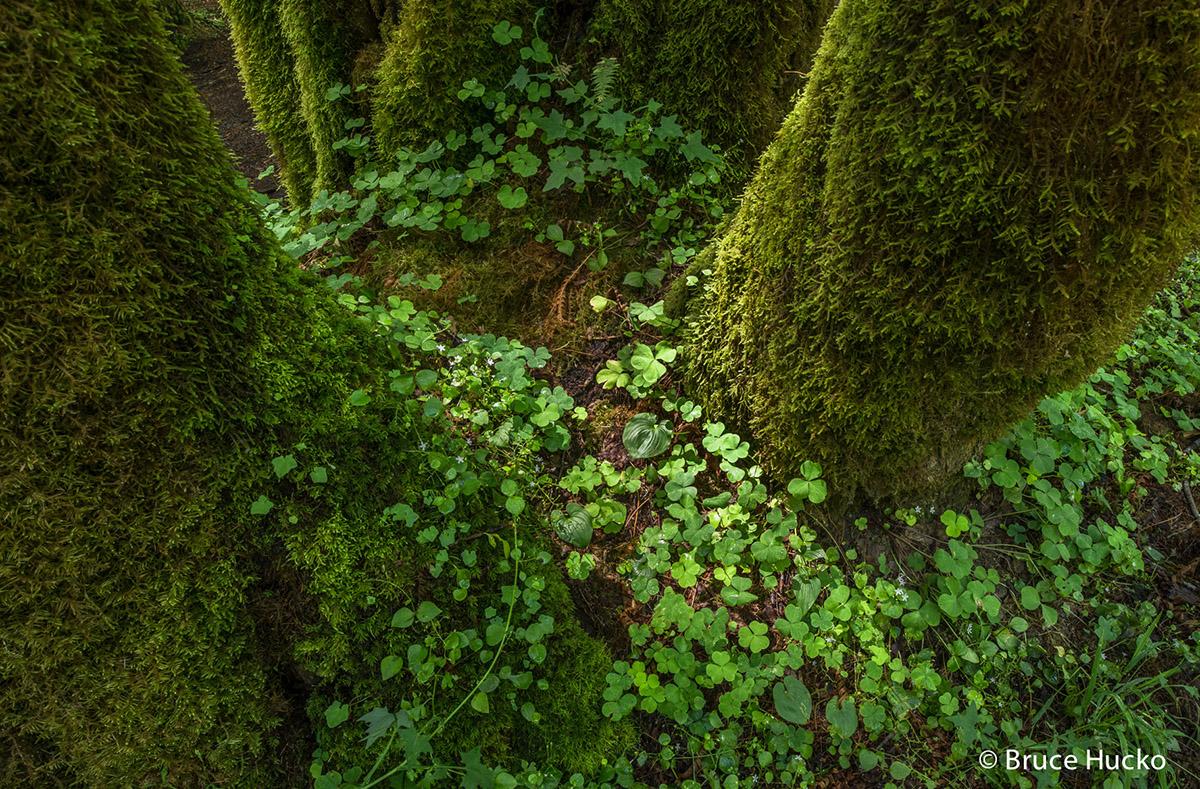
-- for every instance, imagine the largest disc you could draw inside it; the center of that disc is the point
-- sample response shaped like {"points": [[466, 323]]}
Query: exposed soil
{"points": [[209, 63]]}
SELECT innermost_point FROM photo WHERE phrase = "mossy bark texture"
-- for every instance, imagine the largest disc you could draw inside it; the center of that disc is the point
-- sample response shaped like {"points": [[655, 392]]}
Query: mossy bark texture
{"points": [[434, 48], [158, 352], [290, 53], [268, 69], [967, 210], [137, 305], [729, 69]]}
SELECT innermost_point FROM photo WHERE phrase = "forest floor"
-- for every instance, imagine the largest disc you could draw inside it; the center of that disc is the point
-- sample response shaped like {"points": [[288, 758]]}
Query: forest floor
{"points": [[1169, 529], [209, 62]]}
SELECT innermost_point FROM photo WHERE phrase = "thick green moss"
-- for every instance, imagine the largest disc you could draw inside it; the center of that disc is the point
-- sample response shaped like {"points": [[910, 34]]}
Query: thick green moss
{"points": [[436, 46], [135, 331], [290, 54], [967, 210], [728, 69], [268, 71], [572, 733], [323, 57]]}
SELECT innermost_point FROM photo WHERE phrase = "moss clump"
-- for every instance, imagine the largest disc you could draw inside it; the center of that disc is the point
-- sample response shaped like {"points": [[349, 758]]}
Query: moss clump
{"points": [[728, 69], [965, 212]]}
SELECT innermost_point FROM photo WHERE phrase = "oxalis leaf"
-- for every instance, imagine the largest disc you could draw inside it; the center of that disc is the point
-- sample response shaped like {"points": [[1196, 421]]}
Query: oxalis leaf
{"points": [[793, 702], [645, 436], [575, 527]]}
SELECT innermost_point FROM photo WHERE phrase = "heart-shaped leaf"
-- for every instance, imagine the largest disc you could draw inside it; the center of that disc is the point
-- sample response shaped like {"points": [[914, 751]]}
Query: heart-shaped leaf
{"points": [[645, 436], [793, 702], [512, 198], [283, 464], [575, 527], [390, 665], [336, 714], [842, 716]]}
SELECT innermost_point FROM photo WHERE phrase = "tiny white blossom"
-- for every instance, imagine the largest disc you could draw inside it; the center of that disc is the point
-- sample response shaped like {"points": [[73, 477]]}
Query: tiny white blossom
{"points": [[459, 458], [423, 446]]}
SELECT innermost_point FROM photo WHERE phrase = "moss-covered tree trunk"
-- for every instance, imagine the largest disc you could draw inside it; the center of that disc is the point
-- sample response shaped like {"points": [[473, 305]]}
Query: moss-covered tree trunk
{"points": [[434, 47], [267, 68], [141, 322], [729, 69], [157, 354], [291, 54], [967, 210]]}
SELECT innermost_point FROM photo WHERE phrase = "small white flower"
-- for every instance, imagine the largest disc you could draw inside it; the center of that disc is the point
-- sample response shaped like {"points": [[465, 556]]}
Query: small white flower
{"points": [[423, 446], [441, 347], [459, 458], [900, 579]]}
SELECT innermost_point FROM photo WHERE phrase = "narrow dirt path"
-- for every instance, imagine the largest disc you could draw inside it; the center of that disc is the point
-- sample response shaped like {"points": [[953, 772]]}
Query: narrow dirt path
{"points": [[210, 65]]}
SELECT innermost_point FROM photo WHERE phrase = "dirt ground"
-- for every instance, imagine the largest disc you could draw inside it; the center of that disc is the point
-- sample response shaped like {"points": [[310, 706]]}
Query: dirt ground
{"points": [[209, 63]]}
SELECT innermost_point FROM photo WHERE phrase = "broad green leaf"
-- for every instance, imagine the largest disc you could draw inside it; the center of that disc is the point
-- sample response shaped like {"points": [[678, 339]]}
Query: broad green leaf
{"points": [[614, 122], [378, 721], [575, 527], [390, 665], [283, 464], [806, 594], [646, 437], [319, 475], [505, 33], [477, 774], [793, 702], [512, 198], [1030, 599], [261, 506], [694, 149], [842, 716], [427, 612], [336, 714]]}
